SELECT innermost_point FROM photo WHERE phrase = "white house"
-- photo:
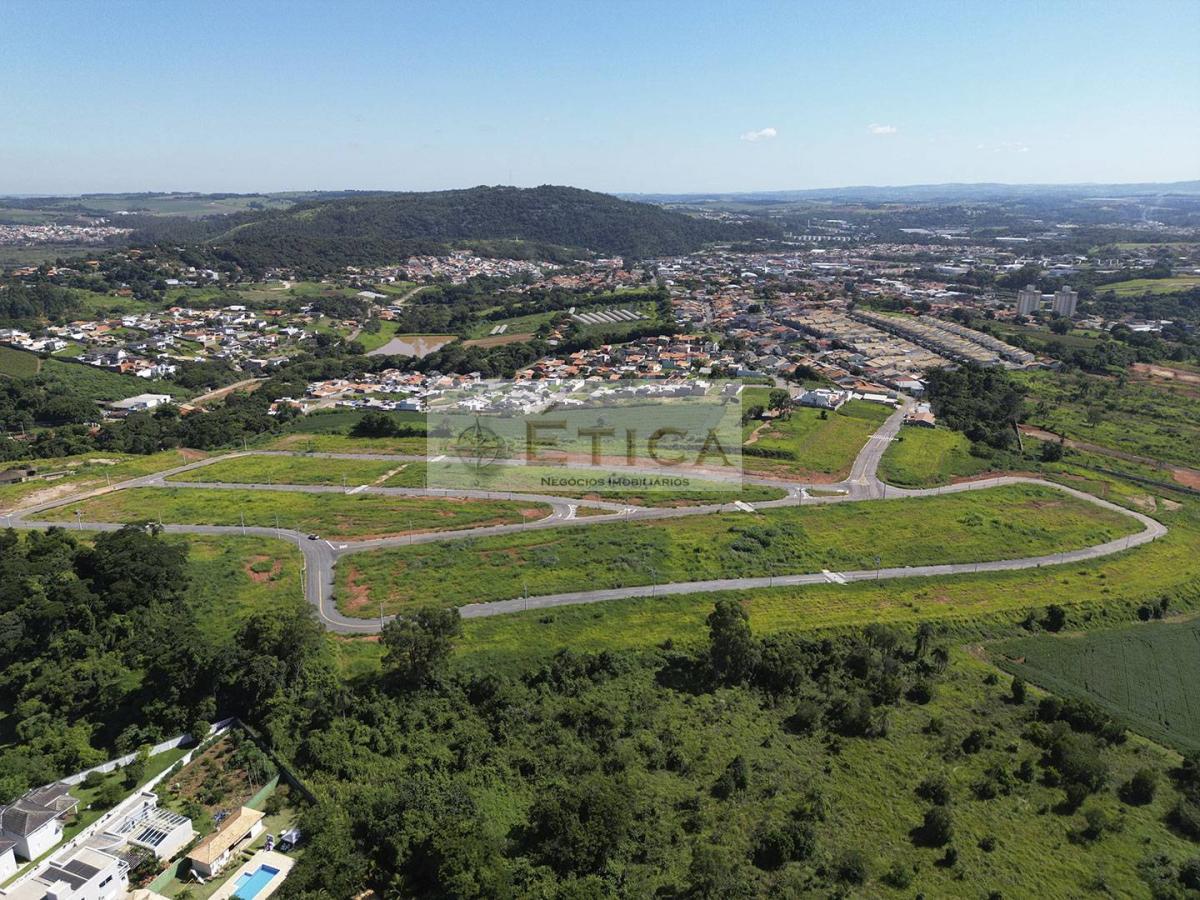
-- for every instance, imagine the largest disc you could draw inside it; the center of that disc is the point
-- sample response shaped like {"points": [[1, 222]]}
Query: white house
{"points": [[8, 860], [85, 873], [34, 821]]}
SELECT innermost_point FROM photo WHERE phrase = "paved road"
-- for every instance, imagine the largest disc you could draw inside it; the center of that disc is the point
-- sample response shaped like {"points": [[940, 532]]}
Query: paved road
{"points": [[320, 556]]}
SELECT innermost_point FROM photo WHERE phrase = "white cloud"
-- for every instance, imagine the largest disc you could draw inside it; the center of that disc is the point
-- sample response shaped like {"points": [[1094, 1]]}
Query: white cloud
{"points": [[763, 134], [882, 129]]}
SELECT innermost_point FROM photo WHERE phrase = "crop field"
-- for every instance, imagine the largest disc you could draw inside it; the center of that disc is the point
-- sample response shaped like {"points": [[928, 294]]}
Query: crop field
{"points": [[66, 475], [924, 457], [1144, 419], [1135, 287], [19, 364], [807, 443], [329, 514], [999, 523], [1146, 675]]}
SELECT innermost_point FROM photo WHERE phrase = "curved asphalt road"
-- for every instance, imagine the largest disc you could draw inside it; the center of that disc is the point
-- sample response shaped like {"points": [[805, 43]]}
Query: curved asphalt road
{"points": [[863, 483]]}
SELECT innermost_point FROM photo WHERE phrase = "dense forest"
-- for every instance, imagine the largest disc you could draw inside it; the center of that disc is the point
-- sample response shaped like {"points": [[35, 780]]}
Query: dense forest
{"points": [[103, 653], [376, 229], [985, 404]]}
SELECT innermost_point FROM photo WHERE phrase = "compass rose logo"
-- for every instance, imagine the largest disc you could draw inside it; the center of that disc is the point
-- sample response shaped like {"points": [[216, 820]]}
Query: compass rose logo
{"points": [[477, 446]]}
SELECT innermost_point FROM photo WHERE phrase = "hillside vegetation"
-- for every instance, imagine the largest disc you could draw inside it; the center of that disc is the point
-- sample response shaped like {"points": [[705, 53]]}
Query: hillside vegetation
{"points": [[379, 228]]}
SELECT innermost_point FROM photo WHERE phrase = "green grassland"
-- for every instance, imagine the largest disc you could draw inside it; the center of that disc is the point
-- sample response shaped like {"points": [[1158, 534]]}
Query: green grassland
{"points": [[1145, 675], [998, 523], [808, 443], [1135, 287], [1139, 418], [337, 442], [924, 457], [331, 515], [73, 474], [99, 384], [292, 470], [18, 363], [234, 577], [482, 328], [392, 473]]}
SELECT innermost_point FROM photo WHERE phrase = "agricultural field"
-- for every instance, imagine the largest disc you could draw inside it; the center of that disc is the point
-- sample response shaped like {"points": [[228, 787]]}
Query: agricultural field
{"points": [[100, 384], [1138, 418], [806, 444], [1145, 675], [328, 514], [924, 457], [999, 523], [18, 363], [1136, 287], [61, 476]]}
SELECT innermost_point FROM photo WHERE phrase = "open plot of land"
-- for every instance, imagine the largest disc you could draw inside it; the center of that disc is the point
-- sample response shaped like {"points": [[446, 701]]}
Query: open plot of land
{"points": [[924, 457], [1149, 420], [1101, 591], [234, 577], [62, 476], [805, 443], [1145, 675], [1135, 287], [392, 473], [292, 470], [334, 442], [329, 514], [1000, 523]]}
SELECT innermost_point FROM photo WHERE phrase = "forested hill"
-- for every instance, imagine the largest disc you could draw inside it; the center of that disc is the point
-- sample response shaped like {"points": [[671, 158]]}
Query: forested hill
{"points": [[380, 228]]}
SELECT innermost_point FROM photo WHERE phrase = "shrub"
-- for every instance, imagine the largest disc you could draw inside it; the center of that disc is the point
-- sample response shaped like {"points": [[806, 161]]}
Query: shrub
{"points": [[935, 789], [852, 867], [937, 828], [1018, 691], [1139, 789]]}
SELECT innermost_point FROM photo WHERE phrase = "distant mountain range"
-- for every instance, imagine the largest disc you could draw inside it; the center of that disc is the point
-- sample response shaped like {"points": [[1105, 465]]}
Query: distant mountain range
{"points": [[934, 193]]}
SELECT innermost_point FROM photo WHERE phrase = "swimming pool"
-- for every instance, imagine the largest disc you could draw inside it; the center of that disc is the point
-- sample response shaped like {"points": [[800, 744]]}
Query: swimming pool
{"points": [[249, 884]]}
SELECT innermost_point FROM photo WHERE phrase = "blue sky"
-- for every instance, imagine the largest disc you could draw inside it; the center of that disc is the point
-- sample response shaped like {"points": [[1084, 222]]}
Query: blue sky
{"points": [[616, 96]]}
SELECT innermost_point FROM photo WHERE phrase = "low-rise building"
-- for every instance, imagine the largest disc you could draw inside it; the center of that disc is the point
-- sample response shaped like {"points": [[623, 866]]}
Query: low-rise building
{"points": [[213, 853]]}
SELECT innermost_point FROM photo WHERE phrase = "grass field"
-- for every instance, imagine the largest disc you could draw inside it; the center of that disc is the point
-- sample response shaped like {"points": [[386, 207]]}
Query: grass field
{"points": [[330, 515], [18, 363], [1135, 287], [924, 457], [73, 474], [518, 479], [1101, 592], [998, 523], [1146, 675], [233, 577], [811, 444], [1141, 418]]}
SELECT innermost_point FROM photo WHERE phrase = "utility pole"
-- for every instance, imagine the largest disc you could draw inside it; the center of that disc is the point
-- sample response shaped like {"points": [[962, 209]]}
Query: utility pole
{"points": [[243, 518], [381, 614], [79, 519], [876, 568]]}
